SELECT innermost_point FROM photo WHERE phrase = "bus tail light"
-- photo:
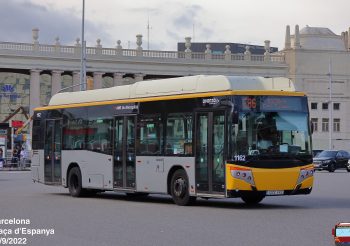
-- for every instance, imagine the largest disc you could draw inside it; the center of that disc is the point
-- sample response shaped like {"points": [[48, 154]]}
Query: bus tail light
{"points": [[244, 174], [305, 173]]}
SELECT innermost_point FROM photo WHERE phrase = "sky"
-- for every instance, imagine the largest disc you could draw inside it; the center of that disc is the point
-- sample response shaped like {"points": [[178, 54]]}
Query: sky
{"points": [[170, 21]]}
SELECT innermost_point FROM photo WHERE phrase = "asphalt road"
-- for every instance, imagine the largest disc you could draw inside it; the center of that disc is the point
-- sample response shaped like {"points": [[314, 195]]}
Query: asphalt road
{"points": [[114, 219]]}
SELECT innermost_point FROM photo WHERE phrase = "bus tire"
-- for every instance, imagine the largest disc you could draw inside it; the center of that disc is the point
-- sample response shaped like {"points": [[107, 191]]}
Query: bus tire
{"points": [[74, 182], [179, 188], [252, 198]]}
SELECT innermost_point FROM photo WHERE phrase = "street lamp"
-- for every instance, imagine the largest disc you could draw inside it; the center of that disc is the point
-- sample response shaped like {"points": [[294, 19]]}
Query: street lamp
{"points": [[83, 53], [330, 104]]}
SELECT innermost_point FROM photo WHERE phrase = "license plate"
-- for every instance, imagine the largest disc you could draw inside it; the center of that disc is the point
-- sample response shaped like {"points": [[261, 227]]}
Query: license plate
{"points": [[274, 192]]}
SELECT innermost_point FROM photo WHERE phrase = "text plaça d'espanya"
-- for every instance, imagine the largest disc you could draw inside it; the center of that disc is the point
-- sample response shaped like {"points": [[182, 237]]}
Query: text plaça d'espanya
{"points": [[26, 231]]}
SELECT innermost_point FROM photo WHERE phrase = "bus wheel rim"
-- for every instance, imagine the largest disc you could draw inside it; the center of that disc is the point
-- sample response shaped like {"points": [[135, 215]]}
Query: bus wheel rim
{"points": [[180, 187]]}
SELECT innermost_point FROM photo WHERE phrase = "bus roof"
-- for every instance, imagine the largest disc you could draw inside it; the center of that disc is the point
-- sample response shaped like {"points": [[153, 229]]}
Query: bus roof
{"points": [[175, 86]]}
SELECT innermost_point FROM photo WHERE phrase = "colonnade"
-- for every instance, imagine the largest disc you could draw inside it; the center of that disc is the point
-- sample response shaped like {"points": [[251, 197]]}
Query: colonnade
{"points": [[56, 82]]}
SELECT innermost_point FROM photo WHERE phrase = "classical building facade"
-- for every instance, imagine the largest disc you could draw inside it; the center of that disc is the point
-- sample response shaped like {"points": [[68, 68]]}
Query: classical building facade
{"points": [[319, 63], [30, 73]]}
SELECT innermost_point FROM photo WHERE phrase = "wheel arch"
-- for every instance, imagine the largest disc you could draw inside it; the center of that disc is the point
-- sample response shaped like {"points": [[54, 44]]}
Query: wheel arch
{"points": [[70, 166], [170, 175]]}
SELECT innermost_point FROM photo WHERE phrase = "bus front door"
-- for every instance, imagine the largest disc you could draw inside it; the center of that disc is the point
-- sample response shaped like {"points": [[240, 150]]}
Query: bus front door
{"points": [[210, 150], [124, 152], [52, 152]]}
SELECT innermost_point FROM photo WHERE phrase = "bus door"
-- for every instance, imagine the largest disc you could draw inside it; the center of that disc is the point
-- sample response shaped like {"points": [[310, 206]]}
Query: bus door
{"points": [[210, 150], [124, 152], [52, 151]]}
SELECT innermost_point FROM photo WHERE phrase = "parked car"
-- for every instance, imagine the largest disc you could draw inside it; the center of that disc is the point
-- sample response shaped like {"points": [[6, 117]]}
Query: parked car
{"points": [[331, 160]]}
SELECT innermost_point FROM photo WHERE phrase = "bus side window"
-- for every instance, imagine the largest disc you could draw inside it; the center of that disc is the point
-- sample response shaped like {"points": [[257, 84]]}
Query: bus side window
{"points": [[150, 135], [179, 134]]}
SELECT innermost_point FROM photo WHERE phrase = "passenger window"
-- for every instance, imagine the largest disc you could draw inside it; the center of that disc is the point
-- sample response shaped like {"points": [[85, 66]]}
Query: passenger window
{"points": [[150, 135], [98, 135], [178, 134]]}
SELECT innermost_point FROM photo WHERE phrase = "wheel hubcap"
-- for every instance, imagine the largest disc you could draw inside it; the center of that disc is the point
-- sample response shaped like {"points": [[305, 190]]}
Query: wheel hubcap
{"points": [[180, 187]]}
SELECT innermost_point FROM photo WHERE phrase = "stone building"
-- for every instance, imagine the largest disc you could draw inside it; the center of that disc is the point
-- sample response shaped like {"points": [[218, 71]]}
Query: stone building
{"points": [[30, 73], [316, 56]]}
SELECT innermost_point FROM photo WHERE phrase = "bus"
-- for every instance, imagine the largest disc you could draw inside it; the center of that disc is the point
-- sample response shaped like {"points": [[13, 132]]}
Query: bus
{"points": [[197, 136], [341, 234]]}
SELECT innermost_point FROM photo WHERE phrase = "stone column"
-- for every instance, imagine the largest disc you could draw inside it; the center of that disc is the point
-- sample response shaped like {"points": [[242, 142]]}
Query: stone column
{"points": [[98, 47], [207, 52], [76, 80], [296, 37], [98, 80], [287, 43], [188, 52], [227, 53], [267, 55], [139, 43], [247, 54], [34, 96], [118, 79], [56, 81], [35, 34], [349, 39], [139, 76], [77, 45], [57, 45], [119, 48]]}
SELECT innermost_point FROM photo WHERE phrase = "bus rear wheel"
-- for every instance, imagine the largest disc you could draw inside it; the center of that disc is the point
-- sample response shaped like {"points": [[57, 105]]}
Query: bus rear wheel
{"points": [[252, 198], [179, 189], [74, 182]]}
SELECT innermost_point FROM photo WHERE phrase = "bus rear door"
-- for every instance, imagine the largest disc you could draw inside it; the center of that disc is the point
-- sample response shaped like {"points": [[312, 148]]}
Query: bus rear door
{"points": [[124, 152], [52, 151]]}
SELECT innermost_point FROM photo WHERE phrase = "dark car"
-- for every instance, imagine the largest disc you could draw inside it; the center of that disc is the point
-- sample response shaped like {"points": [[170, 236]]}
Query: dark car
{"points": [[331, 160], [315, 152]]}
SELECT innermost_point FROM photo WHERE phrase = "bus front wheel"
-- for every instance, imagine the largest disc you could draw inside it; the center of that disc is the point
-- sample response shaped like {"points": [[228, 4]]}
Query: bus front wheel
{"points": [[74, 182], [252, 198], [179, 188]]}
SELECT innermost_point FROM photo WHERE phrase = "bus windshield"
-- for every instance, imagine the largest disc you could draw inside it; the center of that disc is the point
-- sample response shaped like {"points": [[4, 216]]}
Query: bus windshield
{"points": [[272, 133], [342, 232]]}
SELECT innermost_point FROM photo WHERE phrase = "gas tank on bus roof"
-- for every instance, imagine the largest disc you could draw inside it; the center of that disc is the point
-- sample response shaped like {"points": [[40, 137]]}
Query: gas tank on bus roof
{"points": [[176, 86]]}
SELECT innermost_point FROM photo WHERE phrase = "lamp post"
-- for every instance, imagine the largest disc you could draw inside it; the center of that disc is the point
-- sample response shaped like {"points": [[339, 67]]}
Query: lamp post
{"points": [[83, 54], [330, 105]]}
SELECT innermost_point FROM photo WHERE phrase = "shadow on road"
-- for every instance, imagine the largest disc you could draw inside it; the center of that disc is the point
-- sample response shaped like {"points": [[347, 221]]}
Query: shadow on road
{"points": [[232, 203]]}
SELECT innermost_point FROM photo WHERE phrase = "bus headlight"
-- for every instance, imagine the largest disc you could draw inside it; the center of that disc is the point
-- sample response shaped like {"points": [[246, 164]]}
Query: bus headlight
{"points": [[244, 174], [305, 173]]}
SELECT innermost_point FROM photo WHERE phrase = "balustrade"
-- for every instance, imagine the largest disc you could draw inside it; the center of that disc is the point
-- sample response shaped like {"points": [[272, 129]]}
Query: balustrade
{"points": [[114, 53]]}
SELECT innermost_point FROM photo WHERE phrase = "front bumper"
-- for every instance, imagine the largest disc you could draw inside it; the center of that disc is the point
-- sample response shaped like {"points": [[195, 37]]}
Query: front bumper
{"points": [[239, 193], [321, 166], [269, 182]]}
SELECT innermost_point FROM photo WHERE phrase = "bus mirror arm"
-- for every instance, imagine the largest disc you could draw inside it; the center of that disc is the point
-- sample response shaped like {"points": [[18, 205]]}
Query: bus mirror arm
{"points": [[312, 128], [235, 117]]}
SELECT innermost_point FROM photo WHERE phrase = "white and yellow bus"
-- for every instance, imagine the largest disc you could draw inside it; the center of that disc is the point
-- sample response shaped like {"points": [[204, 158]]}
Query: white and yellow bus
{"points": [[197, 136]]}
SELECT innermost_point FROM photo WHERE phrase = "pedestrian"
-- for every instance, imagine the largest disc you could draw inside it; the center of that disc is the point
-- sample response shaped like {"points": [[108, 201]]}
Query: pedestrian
{"points": [[1, 158], [14, 160]]}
